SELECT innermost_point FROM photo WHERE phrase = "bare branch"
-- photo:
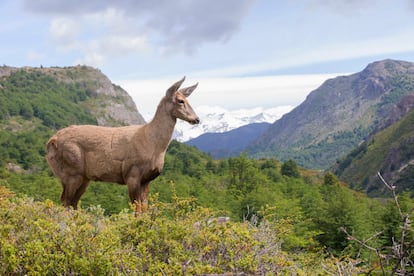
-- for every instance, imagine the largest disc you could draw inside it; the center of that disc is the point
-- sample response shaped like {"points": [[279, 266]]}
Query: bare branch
{"points": [[394, 195], [364, 244], [401, 248]]}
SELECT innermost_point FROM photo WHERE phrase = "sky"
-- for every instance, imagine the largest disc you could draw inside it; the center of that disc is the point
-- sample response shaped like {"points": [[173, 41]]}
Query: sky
{"points": [[243, 53]]}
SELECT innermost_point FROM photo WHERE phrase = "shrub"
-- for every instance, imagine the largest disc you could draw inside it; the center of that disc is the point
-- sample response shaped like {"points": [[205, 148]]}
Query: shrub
{"points": [[176, 238]]}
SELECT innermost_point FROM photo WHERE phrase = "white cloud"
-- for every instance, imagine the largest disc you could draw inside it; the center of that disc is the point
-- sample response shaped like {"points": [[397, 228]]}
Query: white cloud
{"points": [[174, 26], [98, 51], [65, 32], [92, 59], [97, 37], [399, 42], [35, 55], [123, 44], [223, 39]]}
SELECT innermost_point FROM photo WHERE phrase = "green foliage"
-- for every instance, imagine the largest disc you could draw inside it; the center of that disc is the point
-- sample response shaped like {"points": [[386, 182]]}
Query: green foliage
{"points": [[290, 168], [312, 208], [243, 177], [174, 238], [25, 147], [400, 85], [392, 218], [42, 186], [389, 152], [340, 209], [34, 94], [322, 154], [354, 154], [32, 106], [39, 238]]}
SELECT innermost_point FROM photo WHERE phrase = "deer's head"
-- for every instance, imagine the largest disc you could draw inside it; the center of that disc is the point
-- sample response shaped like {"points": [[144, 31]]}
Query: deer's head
{"points": [[180, 107]]}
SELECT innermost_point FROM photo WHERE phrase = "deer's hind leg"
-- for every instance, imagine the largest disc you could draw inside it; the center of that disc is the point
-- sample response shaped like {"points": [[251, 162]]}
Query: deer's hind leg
{"points": [[73, 188], [144, 196], [81, 190], [72, 175], [138, 194], [134, 192]]}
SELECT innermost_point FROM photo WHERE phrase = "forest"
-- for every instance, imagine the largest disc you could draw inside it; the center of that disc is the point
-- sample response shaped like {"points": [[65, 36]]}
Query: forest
{"points": [[308, 215], [281, 218]]}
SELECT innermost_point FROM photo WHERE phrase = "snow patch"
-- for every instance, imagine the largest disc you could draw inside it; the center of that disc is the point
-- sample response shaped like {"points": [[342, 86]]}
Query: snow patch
{"points": [[215, 119]]}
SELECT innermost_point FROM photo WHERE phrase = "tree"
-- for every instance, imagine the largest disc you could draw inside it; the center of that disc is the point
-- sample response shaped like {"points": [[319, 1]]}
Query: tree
{"points": [[243, 176], [290, 168], [330, 179], [341, 209]]}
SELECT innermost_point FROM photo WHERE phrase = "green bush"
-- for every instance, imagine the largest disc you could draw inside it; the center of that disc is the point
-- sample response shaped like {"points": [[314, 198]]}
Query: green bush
{"points": [[176, 238]]}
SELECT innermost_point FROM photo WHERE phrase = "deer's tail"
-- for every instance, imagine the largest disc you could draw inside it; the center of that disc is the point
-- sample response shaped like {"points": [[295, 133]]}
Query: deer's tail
{"points": [[52, 142], [51, 148]]}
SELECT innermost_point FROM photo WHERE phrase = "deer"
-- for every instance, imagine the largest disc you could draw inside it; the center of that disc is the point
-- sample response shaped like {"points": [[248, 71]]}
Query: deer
{"points": [[128, 155]]}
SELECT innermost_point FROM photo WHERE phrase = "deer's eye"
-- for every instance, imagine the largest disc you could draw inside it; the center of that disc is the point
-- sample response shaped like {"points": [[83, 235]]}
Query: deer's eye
{"points": [[180, 101]]}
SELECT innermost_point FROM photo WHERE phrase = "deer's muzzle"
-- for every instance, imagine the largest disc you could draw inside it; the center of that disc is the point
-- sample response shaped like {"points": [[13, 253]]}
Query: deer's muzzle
{"points": [[195, 121]]}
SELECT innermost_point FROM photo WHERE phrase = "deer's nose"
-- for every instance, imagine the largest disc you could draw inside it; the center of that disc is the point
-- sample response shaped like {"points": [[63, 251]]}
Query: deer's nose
{"points": [[195, 121]]}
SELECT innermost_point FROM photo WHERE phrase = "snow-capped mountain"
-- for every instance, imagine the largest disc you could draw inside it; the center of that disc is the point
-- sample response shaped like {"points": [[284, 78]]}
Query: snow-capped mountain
{"points": [[217, 119]]}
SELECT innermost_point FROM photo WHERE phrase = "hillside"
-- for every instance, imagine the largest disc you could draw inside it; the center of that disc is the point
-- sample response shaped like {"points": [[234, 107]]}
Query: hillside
{"points": [[338, 116], [86, 86], [171, 239], [230, 143], [390, 151]]}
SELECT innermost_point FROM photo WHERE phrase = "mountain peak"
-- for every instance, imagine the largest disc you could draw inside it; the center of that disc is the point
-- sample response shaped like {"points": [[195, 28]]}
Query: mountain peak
{"points": [[388, 67]]}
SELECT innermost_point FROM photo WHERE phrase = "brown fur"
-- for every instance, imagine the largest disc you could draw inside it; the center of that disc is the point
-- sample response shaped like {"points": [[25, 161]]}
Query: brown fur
{"points": [[131, 155]]}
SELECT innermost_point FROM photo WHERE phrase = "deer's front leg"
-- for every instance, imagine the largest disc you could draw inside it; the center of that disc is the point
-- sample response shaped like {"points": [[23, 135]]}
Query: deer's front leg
{"points": [[135, 193]]}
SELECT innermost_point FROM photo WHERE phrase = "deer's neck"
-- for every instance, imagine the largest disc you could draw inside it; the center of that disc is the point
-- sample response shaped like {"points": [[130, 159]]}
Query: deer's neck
{"points": [[160, 130]]}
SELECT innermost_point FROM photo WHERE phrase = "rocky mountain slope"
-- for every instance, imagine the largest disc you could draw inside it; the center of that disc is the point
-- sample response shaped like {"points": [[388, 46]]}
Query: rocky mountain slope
{"points": [[338, 116], [109, 103], [390, 151]]}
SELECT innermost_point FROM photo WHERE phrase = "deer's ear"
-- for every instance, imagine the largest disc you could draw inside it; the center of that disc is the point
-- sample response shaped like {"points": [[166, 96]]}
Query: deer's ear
{"points": [[174, 88], [188, 90]]}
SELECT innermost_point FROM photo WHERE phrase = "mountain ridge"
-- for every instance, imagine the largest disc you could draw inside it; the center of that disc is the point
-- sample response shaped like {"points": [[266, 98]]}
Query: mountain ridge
{"points": [[229, 143], [337, 116]]}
